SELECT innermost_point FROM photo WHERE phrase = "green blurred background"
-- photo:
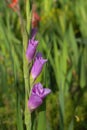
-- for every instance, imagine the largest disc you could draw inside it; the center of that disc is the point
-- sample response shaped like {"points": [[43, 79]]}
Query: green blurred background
{"points": [[62, 35]]}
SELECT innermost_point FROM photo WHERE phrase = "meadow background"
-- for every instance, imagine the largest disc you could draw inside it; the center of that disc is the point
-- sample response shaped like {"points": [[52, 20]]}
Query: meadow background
{"points": [[62, 35]]}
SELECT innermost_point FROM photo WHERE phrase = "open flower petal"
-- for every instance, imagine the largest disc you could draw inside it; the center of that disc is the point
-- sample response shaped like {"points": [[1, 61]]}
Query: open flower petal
{"points": [[46, 92], [34, 102]]}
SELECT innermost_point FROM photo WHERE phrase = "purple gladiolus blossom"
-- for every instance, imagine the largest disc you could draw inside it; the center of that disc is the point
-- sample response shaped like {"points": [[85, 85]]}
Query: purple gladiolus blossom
{"points": [[32, 45], [38, 93], [37, 66]]}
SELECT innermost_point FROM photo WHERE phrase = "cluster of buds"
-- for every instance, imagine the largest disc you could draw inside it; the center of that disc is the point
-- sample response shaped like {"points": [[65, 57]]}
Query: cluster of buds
{"points": [[38, 93]]}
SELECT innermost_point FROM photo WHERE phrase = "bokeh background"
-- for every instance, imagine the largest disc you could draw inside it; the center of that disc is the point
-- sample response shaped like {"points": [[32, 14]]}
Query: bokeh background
{"points": [[62, 35]]}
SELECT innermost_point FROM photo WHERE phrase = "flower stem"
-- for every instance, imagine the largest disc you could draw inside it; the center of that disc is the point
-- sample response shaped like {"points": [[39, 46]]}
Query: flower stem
{"points": [[26, 66], [25, 30], [26, 79]]}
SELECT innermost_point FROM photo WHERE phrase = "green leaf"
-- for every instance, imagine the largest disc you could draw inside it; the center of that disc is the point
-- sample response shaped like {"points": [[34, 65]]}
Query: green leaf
{"points": [[42, 118], [73, 45], [82, 72], [71, 125]]}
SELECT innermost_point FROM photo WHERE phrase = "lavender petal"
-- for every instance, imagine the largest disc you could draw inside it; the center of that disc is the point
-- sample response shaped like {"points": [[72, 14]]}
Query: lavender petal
{"points": [[34, 102]]}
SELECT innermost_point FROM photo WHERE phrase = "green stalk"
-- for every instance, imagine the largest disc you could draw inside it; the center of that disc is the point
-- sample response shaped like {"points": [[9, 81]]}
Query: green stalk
{"points": [[26, 66], [26, 80]]}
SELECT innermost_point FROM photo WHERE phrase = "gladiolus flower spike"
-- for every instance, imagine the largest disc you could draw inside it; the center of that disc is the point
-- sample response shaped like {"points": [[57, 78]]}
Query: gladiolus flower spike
{"points": [[38, 93]]}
